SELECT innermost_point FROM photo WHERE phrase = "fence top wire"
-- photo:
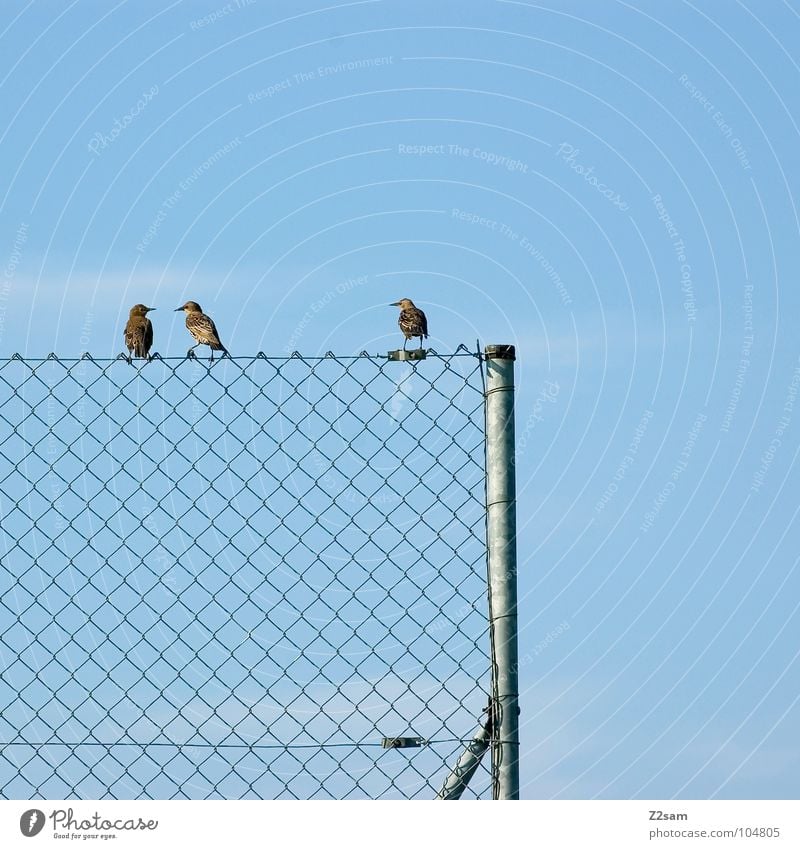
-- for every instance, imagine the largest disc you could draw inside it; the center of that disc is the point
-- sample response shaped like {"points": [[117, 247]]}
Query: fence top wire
{"points": [[461, 351], [234, 580]]}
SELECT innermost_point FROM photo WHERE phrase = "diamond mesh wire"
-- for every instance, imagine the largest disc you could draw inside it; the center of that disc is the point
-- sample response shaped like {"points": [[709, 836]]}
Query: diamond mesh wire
{"points": [[234, 580]]}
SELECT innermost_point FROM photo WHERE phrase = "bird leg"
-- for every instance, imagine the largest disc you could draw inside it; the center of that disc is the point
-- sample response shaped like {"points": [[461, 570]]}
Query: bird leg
{"points": [[405, 342], [190, 355]]}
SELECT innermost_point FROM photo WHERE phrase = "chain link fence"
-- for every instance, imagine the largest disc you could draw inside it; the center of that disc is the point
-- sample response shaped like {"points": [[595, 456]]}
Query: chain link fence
{"points": [[241, 580]]}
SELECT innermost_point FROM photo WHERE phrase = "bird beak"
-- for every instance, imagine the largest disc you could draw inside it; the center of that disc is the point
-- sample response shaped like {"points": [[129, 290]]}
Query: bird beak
{"points": [[150, 309], [180, 309], [395, 304]]}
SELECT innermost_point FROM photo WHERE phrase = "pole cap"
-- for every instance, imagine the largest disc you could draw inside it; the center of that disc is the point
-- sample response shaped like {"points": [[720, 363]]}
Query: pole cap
{"points": [[500, 352]]}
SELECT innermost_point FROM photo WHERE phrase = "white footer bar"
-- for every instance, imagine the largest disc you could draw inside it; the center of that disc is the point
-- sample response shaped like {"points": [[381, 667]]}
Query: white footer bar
{"points": [[383, 825]]}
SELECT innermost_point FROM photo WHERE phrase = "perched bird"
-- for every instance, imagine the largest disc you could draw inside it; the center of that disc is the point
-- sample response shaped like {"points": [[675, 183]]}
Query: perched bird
{"points": [[139, 333], [202, 328], [412, 321]]}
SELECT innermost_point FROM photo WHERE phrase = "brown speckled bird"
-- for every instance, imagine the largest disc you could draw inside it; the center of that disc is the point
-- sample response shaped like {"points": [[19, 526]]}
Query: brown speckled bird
{"points": [[202, 329], [139, 333], [412, 321]]}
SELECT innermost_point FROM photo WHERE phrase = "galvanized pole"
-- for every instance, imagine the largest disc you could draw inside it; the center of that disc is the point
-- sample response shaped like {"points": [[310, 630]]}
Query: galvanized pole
{"points": [[456, 782], [501, 543]]}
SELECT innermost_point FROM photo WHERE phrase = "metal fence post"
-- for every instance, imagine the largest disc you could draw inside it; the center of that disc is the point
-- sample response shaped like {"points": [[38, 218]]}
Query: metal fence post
{"points": [[456, 782], [501, 545]]}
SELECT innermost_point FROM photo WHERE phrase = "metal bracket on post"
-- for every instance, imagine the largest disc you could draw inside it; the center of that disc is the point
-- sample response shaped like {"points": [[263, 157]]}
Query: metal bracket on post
{"points": [[416, 354], [501, 545]]}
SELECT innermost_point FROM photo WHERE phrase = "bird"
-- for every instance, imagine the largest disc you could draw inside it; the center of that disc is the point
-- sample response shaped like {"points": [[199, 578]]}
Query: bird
{"points": [[139, 332], [412, 321], [202, 329]]}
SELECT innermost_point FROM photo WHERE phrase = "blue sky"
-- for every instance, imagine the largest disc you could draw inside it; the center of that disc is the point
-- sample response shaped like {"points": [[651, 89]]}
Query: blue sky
{"points": [[607, 186]]}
